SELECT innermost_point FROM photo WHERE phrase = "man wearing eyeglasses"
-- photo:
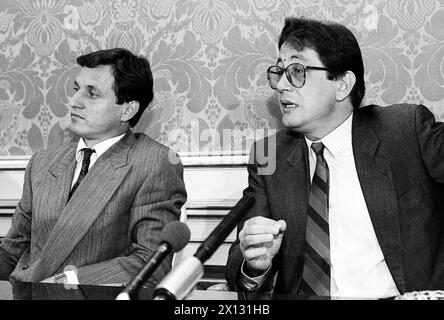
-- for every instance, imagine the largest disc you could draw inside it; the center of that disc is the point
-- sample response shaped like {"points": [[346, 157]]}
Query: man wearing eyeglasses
{"points": [[355, 206]]}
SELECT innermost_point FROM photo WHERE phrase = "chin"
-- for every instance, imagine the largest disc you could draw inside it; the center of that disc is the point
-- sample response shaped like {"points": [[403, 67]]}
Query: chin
{"points": [[74, 129], [79, 132], [289, 123]]}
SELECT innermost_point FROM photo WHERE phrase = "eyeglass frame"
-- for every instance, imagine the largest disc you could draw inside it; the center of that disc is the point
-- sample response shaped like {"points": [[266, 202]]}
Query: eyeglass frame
{"points": [[285, 70]]}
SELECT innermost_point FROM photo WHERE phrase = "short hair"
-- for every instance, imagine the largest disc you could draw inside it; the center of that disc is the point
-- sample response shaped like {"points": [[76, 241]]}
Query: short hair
{"points": [[133, 80], [336, 46]]}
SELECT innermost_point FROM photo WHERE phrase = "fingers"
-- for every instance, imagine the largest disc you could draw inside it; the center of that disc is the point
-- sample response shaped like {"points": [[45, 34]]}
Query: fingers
{"points": [[255, 239], [261, 220], [260, 232], [260, 225], [254, 253], [257, 229]]}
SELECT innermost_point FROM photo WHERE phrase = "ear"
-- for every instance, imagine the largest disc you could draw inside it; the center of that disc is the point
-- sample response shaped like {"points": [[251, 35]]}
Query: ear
{"points": [[130, 110], [345, 85]]}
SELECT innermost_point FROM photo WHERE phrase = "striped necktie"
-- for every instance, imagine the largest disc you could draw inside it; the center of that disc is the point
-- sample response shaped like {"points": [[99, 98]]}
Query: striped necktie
{"points": [[316, 272], [87, 152]]}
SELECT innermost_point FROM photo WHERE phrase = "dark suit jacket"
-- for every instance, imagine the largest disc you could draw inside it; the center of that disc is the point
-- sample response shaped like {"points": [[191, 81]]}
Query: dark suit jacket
{"points": [[399, 156], [110, 226]]}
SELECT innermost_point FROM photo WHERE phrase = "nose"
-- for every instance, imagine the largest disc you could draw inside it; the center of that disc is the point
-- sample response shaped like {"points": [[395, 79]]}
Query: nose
{"points": [[284, 85], [75, 101]]}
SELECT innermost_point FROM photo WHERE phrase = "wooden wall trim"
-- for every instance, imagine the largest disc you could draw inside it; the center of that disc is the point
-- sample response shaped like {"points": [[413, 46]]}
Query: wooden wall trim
{"points": [[14, 163], [188, 160]]}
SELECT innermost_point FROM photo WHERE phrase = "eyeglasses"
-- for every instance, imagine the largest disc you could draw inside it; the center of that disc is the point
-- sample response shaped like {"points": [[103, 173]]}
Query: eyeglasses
{"points": [[294, 72]]}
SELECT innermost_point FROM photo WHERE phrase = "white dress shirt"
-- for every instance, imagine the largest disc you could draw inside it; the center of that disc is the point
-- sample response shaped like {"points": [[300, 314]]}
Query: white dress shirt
{"points": [[358, 268], [99, 148]]}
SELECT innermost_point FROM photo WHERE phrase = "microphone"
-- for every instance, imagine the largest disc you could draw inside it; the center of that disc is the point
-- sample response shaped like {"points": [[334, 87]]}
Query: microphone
{"points": [[174, 236], [179, 282]]}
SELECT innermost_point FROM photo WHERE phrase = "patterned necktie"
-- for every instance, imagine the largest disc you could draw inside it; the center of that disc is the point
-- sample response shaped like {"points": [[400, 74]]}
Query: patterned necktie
{"points": [[316, 273], [87, 152]]}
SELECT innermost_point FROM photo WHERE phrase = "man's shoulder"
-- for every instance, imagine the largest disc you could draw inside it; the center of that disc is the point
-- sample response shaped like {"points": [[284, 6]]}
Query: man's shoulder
{"points": [[394, 110], [146, 150], [395, 123], [392, 118], [42, 160], [144, 143], [282, 137], [276, 147], [49, 155]]}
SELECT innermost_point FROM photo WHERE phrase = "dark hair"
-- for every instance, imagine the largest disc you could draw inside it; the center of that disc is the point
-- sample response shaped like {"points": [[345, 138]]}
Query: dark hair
{"points": [[336, 46], [133, 80]]}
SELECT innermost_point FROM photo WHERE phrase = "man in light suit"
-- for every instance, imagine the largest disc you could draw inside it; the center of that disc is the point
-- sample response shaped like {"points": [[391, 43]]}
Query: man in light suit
{"points": [[355, 207], [92, 211]]}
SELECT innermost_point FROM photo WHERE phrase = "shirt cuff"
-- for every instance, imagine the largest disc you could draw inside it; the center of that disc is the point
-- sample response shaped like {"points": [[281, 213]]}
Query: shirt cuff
{"points": [[71, 277], [251, 283]]}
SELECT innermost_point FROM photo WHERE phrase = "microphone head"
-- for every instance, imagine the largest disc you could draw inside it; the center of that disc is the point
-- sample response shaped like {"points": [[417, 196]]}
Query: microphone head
{"points": [[177, 234]]}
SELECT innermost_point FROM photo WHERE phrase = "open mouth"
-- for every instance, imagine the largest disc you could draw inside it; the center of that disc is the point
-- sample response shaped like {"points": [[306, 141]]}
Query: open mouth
{"points": [[288, 105]]}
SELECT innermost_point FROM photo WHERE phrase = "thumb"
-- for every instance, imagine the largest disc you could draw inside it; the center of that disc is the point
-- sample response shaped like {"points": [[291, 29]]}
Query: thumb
{"points": [[282, 226]]}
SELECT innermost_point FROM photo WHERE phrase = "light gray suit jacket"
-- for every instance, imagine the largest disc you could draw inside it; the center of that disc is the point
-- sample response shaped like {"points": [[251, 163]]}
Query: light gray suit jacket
{"points": [[110, 226]]}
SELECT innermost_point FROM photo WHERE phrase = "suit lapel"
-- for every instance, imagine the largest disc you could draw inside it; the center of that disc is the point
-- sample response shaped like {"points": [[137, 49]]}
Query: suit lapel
{"points": [[93, 194], [296, 173], [53, 192], [377, 186], [291, 199]]}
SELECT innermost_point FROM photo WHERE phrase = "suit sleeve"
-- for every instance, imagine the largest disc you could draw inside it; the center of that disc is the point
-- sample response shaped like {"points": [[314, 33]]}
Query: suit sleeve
{"points": [[157, 202], [18, 238], [430, 134], [257, 189]]}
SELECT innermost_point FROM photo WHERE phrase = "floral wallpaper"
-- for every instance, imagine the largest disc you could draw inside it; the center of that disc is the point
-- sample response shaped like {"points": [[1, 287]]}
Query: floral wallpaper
{"points": [[208, 59]]}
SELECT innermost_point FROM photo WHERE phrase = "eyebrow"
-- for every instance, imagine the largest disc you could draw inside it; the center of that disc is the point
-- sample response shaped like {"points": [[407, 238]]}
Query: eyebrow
{"points": [[88, 87], [294, 56]]}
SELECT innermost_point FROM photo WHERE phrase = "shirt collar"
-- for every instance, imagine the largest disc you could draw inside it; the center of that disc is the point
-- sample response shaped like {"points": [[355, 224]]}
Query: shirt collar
{"points": [[99, 148], [337, 140]]}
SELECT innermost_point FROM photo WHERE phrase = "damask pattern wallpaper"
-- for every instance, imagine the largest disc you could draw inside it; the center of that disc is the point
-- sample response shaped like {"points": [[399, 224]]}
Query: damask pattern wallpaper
{"points": [[209, 59]]}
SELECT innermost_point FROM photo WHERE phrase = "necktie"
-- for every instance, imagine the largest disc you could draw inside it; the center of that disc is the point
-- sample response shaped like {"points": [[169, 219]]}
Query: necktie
{"points": [[316, 272], [84, 170]]}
